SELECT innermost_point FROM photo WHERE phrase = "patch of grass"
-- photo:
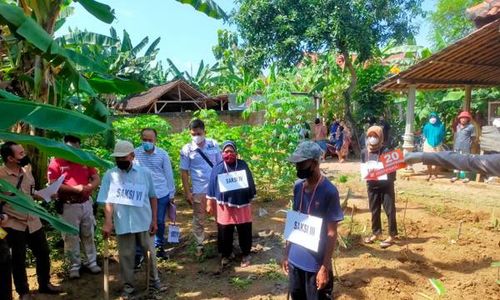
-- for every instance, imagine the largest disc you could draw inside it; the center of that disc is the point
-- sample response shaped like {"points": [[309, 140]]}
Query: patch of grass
{"points": [[343, 178], [169, 266], [209, 251], [272, 271], [240, 283]]}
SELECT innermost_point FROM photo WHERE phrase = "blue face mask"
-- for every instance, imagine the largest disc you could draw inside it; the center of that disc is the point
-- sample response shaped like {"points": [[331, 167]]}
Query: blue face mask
{"points": [[148, 146]]}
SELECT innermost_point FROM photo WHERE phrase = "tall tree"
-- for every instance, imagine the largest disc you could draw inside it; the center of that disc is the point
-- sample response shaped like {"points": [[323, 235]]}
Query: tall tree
{"points": [[449, 21], [283, 30]]}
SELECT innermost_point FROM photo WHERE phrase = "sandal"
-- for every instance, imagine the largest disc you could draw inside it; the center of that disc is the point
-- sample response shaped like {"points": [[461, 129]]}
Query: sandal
{"points": [[387, 243], [370, 239], [224, 262], [245, 261]]}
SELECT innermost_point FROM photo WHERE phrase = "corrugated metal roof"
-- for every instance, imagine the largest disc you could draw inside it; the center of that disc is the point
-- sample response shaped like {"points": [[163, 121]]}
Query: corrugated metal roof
{"points": [[472, 61]]}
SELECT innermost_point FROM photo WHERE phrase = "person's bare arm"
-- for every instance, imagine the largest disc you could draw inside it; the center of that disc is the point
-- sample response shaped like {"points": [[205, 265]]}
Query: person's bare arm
{"points": [[284, 261], [322, 277], [154, 209], [107, 227], [185, 185]]}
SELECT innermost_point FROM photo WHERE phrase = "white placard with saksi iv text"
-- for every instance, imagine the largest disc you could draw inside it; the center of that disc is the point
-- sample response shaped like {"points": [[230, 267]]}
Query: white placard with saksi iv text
{"points": [[303, 230], [129, 193], [232, 181]]}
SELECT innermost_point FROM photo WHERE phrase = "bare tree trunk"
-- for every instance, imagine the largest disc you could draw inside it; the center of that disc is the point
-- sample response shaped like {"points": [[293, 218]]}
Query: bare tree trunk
{"points": [[347, 100]]}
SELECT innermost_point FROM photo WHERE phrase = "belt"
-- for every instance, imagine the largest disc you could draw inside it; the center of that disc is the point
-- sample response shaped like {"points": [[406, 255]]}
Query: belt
{"points": [[75, 200]]}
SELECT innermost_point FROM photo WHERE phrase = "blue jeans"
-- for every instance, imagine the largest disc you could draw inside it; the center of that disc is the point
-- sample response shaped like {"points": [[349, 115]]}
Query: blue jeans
{"points": [[160, 219], [163, 204]]}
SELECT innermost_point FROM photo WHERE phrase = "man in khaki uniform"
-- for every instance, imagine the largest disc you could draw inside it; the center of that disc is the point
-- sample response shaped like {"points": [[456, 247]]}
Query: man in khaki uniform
{"points": [[24, 229]]}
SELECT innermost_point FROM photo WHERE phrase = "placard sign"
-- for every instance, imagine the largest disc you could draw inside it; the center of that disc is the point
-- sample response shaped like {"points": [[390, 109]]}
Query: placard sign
{"points": [[132, 194], [174, 233], [303, 230], [232, 181], [391, 161], [370, 169]]}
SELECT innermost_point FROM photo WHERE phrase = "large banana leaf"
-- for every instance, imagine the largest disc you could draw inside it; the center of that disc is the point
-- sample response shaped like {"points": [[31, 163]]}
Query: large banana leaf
{"points": [[208, 7], [33, 33], [57, 149], [47, 117], [116, 85], [21, 203], [101, 11]]}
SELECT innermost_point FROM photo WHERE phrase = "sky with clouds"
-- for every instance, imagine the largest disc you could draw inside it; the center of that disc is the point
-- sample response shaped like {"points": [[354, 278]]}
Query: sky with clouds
{"points": [[187, 36]]}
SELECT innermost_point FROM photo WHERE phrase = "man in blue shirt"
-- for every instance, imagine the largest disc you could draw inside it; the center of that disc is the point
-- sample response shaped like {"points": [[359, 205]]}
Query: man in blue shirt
{"points": [[130, 205], [197, 160], [158, 162], [310, 273]]}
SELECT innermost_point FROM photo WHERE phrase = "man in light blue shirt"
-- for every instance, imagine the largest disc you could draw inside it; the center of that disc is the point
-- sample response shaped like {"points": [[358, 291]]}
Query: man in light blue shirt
{"points": [[130, 204], [197, 160], [158, 162]]}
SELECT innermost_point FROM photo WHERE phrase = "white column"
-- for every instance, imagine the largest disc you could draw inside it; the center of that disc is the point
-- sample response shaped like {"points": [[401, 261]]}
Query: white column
{"points": [[408, 138]]}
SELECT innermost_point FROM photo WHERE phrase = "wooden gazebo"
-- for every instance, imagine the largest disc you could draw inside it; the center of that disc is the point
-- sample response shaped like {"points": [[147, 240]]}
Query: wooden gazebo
{"points": [[472, 62], [174, 96]]}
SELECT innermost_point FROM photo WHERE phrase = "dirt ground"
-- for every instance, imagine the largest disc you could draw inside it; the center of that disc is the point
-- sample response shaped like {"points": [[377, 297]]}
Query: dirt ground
{"points": [[430, 246]]}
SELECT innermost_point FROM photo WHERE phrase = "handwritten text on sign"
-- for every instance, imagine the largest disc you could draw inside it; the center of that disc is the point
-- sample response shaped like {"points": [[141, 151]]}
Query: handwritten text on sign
{"points": [[303, 230], [232, 181], [392, 162], [127, 194]]}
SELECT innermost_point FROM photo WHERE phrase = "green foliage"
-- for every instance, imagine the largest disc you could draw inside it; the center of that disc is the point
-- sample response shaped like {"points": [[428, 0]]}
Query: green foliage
{"points": [[368, 101], [20, 202], [265, 148], [449, 21], [438, 286], [208, 7], [284, 30], [240, 283]]}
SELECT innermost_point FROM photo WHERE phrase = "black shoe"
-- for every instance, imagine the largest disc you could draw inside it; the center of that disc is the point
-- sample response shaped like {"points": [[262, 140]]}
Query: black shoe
{"points": [[139, 259], [51, 289], [161, 254]]}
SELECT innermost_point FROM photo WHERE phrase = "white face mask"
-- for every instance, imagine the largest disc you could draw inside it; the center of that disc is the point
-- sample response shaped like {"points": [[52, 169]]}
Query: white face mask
{"points": [[432, 120], [198, 139], [373, 140]]}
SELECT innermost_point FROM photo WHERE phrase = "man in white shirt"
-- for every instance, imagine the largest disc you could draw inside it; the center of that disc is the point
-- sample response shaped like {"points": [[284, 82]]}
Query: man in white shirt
{"points": [[150, 156], [197, 160]]}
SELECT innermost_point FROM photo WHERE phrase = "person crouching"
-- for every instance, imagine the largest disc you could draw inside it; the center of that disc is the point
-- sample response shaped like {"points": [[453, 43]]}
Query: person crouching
{"points": [[231, 189], [380, 191]]}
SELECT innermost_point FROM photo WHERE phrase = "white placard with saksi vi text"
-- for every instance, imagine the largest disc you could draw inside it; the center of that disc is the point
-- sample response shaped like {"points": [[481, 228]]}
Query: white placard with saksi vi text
{"points": [[232, 181], [132, 194], [303, 230]]}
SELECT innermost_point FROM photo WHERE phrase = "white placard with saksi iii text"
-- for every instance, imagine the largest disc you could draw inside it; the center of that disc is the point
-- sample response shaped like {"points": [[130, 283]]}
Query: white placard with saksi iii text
{"points": [[303, 230], [232, 181]]}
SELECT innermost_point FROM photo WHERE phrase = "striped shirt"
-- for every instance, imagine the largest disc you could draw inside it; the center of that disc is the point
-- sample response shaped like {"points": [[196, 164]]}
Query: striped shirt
{"points": [[160, 166]]}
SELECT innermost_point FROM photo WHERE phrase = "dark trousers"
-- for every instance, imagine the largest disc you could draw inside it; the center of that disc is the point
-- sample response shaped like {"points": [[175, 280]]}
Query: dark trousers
{"points": [[37, 242], [5, 271], [302, 285], [378, 197], [225, 238]]}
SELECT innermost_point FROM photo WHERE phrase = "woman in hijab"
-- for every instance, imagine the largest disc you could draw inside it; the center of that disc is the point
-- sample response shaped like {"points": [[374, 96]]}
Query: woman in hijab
{"points": [[380, 190], [434, 133], [230, 190]]}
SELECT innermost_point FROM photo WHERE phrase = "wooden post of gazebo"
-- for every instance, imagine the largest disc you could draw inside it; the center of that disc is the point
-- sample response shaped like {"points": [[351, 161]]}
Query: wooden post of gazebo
{"points": [[408, 138], [467, 98]]}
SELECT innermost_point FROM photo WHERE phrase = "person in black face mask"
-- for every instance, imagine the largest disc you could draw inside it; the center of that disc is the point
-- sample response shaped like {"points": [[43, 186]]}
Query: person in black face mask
{"points": [[310, 272], [23, 229], [130, 207]]}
